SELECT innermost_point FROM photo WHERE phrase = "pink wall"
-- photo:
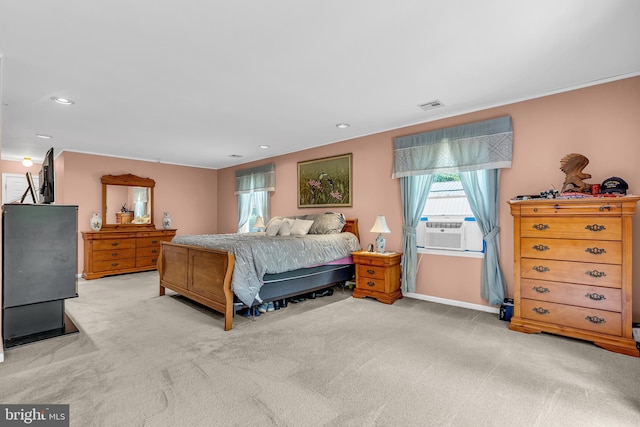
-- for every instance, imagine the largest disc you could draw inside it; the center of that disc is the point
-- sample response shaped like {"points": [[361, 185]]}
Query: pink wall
{"points": [[600, 122], [188, 194]]}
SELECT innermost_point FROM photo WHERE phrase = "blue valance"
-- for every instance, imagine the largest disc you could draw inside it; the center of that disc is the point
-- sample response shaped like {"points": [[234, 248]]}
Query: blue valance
{"points": [[259, 178], [474, 146]]}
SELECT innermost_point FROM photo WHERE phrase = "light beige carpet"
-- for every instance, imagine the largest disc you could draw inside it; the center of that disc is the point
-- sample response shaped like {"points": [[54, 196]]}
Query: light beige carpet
{"points": [[144, 360]]}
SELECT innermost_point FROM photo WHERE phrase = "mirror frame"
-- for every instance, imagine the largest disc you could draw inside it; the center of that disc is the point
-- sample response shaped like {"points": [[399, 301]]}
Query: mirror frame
{"points": [[128, 180]]}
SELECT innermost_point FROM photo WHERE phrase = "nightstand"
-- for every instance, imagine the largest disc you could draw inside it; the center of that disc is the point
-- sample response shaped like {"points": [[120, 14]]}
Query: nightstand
{"points": [[377, 275]]}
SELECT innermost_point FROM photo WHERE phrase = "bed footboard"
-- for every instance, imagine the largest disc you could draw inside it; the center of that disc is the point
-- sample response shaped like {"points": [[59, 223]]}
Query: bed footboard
{"points": [[201, 274]]}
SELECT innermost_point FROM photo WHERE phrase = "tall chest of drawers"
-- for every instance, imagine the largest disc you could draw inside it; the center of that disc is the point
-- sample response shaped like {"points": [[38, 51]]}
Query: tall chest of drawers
{"points": [[573, 269], [110, 252]]}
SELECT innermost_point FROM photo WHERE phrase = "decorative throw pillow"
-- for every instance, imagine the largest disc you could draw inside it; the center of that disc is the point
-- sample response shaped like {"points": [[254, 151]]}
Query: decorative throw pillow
{"points": [[285, 227], [273, 227], [327, 223], [301, 227]]}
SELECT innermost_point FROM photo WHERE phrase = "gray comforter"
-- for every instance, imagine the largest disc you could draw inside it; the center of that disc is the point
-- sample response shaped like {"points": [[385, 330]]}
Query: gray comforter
{"points": [[257, 254]]}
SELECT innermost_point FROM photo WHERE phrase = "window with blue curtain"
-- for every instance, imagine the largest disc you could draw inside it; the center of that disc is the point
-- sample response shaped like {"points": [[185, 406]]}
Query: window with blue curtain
{"points": [[477, 151], [253, 188]]}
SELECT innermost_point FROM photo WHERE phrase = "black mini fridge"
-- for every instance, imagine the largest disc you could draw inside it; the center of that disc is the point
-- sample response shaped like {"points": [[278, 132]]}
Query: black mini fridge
{"points": [[39, 266]]}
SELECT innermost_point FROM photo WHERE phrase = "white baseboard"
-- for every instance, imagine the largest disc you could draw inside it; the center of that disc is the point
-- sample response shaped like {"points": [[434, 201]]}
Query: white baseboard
{"points": [[1, 356], [453, 302]]}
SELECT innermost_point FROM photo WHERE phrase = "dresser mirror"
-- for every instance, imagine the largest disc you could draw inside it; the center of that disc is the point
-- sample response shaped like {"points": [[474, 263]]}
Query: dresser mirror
{"points": [[127, 201]]}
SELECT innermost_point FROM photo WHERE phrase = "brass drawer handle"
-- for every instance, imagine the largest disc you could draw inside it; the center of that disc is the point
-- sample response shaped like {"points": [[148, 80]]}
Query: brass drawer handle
{"points": [[595, 320], [115, 264], [595, 227], [541, 289], [541, 310], [595, 297], [114, 253], [595, 273], [541, 268], [371, 283], [541, 227], [115, 244], [595, 251], [370, 271], [155, 251], [154, 241], [602, 208], [540, 248]]}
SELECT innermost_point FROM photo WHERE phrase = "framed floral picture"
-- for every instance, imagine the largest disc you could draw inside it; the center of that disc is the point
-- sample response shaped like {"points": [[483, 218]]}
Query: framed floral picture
{"points": [[325, 182]]}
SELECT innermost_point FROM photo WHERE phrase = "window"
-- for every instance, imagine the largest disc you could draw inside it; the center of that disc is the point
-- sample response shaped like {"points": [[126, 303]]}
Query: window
{"points": [[447, 225]]}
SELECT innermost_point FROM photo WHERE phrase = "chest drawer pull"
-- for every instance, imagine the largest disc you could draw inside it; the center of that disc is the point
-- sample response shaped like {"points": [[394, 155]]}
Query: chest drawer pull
{"points": [[595, 297], [595, 320], [540, 248], [370, 283], [154, 241], [595, 227], [115, 253], [595, 273], [541, 268], [541, 310], [541, 289], [603, 208], [370, 271], [541, 227], [115, 264], [115, 244], [595, 251]]}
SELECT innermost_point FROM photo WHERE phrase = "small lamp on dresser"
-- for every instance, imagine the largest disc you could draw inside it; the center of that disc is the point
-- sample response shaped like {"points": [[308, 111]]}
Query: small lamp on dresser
{"points": [[380, 227]]}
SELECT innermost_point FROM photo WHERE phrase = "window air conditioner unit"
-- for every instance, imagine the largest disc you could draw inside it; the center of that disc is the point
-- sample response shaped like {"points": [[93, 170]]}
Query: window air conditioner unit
{"points": [[445, 234]]}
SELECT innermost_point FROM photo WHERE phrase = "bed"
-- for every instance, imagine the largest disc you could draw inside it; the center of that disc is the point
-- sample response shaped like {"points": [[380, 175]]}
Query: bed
{"points": [[229, 272]]}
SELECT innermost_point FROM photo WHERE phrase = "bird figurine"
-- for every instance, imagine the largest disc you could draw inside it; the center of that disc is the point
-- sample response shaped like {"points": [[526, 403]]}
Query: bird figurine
{"points": [[572, 165]]}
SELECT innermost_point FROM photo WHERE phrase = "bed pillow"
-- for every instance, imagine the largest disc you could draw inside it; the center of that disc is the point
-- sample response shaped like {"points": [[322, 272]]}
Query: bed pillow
{"points": [[327, 223], [285, 227], [301, 227], [273, 227]]}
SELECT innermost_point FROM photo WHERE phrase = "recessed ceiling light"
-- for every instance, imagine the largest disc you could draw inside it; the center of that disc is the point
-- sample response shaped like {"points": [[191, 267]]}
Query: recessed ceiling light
{"points": [[40, 135], [342, 125], [63, 101], [264, 146]]}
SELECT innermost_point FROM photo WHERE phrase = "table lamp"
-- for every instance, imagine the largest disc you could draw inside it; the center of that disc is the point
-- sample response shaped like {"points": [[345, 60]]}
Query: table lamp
{"points": [[380, 227], [259, 224]]}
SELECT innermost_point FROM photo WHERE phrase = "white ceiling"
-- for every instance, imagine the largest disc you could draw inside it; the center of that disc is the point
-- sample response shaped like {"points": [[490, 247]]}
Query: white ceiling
{"points": [[193, 82]]}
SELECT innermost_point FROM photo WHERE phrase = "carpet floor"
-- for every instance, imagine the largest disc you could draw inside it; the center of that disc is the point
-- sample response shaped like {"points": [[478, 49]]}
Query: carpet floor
{"points": [[145, 360]]}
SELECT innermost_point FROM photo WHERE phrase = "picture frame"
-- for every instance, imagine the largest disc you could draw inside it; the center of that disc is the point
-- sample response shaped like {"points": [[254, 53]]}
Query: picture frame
{"points": [[31, 190], [326, 182]]}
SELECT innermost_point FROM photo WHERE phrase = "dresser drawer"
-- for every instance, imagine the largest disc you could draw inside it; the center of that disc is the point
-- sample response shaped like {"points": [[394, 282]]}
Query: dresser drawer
{"points": [[113, 254], [571, 209], [589, 319], [114, 264], [607, 275], [371, 271], [106, 244], [152, 241], [147, 261], [371, 284], [609, 299], [153, 251], [601, 251], [594, 228]]}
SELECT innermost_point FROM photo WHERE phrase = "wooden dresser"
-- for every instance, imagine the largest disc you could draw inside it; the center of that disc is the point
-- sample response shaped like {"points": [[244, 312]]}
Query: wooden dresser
{"points": [[109, 252], [573, 269]]}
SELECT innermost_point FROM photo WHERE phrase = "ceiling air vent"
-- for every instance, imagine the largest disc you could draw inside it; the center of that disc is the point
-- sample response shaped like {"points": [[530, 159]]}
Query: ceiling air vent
{"points": [[431, 105]]}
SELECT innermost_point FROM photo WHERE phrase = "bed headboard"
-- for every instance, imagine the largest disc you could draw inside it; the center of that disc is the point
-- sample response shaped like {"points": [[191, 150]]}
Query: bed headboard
{"points": [[352, 227]]}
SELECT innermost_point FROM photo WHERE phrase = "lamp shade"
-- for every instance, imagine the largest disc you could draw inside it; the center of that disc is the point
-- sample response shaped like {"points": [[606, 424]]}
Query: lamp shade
{"points": [[259, 223], [27, 162], [380, 226]]}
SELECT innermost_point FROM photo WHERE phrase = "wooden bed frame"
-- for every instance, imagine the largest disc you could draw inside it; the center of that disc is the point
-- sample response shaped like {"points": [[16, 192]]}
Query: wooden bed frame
{"points": [[204, 275]]}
